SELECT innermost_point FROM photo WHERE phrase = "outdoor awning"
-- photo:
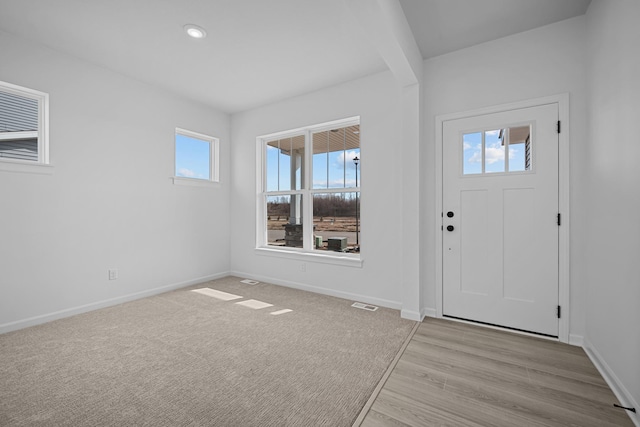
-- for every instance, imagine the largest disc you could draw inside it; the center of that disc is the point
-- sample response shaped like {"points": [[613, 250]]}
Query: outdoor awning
{"points": [[342, 139], [517, 135]]}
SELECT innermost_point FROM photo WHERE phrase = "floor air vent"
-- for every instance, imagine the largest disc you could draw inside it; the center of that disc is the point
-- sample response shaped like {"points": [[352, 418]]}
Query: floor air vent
{"points": [[364, 306], [249, 282]]}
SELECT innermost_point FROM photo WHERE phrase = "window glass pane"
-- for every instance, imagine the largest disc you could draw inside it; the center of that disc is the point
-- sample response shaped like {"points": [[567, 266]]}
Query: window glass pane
{"points": [[519, 148], [285, 164], [18, 127], [284, 221], [337, 160], [352, 179], [19, 148], [193, 157], [333, 154], [472, 153], [272, 154], [337, 157], [336, 222], [297, 161], [320, 159], [493, 151]]}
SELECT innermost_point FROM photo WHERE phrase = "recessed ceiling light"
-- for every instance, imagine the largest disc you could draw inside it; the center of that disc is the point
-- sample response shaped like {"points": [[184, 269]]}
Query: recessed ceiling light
{"points": [[195, 31]]}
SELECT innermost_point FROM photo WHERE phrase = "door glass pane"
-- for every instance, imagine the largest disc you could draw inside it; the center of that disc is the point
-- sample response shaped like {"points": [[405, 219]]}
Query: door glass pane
{"points": [[494, 151], [336, 222], [519, 148], [472, 153], [486, 152]]}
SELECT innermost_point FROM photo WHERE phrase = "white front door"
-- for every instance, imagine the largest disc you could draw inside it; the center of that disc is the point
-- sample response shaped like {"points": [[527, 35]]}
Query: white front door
{"points": [[500, 219]]}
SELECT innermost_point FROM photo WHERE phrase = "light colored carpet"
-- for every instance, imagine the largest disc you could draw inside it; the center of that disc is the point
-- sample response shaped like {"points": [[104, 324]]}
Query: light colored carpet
{"points": [[186, 358]]}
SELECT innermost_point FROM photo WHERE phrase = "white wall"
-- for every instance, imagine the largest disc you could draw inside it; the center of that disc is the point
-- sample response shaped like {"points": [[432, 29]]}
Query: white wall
{"points": [[545, 61], [377, 100], [110, 202], [613, 208]]}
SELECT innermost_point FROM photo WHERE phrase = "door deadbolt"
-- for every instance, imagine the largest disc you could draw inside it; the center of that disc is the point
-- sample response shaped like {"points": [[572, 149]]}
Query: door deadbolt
{"points": [[450, 214]]}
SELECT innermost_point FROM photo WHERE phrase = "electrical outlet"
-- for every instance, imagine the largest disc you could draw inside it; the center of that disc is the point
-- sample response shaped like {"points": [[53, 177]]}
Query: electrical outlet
{"points": [[113, 273], [303, 267]]}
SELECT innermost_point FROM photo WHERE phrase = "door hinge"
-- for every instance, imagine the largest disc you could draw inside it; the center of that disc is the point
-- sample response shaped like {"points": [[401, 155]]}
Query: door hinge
{"points": [[558, 126], [559, 220], [559, 311]]}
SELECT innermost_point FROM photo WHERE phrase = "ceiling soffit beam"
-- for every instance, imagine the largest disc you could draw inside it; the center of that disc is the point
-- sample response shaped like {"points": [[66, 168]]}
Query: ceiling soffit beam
{"points": [[385, 24]]}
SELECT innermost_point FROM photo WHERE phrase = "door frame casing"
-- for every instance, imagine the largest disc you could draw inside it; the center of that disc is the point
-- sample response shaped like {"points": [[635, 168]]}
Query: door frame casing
{"points": [[563, 198]]}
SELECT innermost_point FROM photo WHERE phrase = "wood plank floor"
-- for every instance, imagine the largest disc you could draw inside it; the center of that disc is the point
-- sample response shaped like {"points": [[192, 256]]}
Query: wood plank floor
{"points": [[455, 374]]}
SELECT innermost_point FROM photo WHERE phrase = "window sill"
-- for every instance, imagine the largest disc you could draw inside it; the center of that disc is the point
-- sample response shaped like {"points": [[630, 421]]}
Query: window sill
{"points": [[191, 182], [298, 255], [24, 167]]}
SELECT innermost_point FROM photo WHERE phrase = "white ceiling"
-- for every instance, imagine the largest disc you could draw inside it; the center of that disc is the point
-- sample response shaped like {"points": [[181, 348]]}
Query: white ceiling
{"points": [[443, 26], [257, 51]]}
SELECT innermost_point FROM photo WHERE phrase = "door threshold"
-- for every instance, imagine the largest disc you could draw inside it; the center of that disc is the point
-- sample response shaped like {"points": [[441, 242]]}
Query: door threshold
{"points": [[501, 328]]}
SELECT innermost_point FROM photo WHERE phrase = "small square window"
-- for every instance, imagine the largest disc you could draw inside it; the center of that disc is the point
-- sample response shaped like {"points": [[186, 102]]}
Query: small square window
{"points": [[497, 151], [23, 125], [196, 156]]}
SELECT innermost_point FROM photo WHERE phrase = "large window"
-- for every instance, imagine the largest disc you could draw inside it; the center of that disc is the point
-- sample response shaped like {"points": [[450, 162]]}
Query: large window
{"points": [[196, 157], [23, 125], [310, 189]]}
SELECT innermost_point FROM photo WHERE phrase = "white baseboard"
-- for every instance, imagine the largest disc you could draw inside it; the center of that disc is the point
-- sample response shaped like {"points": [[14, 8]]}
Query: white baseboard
{"points": [[324, 291], [44, 318], [429, 312], [411, 315], [577, 340], [618, 388]]}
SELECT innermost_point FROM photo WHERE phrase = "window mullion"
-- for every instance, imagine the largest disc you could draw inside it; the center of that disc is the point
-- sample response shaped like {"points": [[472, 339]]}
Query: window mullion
{"points": [[307, 197]]}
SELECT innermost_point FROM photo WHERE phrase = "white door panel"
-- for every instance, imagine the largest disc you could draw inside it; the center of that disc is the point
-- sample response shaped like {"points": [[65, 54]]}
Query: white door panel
{"points": [[500, 183]]}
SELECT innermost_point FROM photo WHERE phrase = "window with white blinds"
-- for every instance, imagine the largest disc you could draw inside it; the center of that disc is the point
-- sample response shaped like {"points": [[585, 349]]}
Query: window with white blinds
{"points": [[23, 124]]}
